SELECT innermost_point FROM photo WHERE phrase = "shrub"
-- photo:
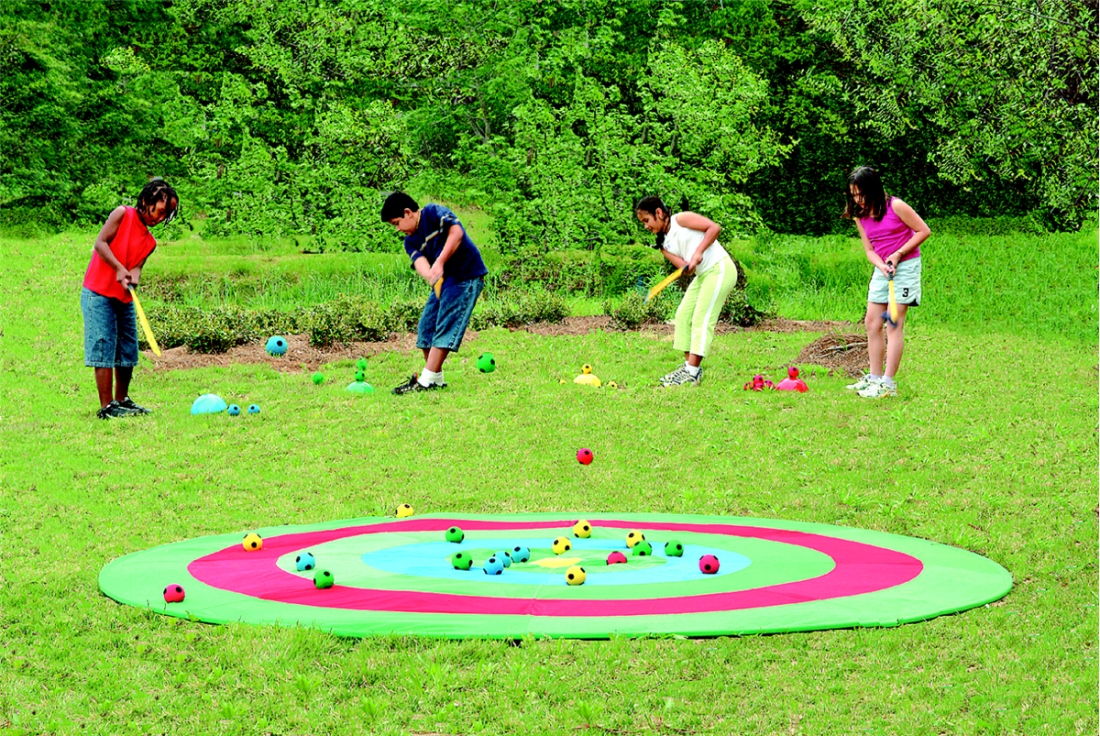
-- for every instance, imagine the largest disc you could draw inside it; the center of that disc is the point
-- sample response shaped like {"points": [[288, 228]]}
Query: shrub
{"points": [[631, 311]]}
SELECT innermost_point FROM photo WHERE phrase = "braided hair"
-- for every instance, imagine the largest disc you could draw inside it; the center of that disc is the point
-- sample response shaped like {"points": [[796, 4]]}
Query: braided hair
{"points": [[156, 191], [651, 205]]}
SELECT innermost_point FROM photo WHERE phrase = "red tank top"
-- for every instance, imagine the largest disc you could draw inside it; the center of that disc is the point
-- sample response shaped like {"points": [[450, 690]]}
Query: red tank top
{"points": [[133, 243]]}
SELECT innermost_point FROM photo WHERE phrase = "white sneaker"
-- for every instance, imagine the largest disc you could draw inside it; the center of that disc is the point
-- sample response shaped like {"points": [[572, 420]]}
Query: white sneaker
{"points": [[879, 390], [863, 383]]}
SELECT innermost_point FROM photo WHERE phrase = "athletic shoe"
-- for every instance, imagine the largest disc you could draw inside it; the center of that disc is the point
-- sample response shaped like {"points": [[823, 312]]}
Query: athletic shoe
{"points": [[128, 403], [414, 385], [114, 410], [669, 377], [879, 390], [863, 383], [683, 378]]}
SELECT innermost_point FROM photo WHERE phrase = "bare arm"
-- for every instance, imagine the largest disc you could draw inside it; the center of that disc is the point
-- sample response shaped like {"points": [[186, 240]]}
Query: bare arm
{"points": [[421, 266], [674, 259], [921, 231], [710, 230], [454, 238]]}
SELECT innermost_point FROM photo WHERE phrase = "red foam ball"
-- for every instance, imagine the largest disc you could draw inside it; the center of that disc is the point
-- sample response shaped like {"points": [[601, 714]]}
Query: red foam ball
{"points": [[708, 564], [173, 594], [616, 557], [584, 456]]}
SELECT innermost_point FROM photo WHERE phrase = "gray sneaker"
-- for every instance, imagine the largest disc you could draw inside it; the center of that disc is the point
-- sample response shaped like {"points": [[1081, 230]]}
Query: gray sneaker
{"points": [[675, 375], [128, 403], [683, 378], [864, 383]]}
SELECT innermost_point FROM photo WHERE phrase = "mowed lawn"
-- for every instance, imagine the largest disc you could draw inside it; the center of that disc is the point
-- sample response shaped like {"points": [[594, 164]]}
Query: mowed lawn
{"points": [[992, 447]]}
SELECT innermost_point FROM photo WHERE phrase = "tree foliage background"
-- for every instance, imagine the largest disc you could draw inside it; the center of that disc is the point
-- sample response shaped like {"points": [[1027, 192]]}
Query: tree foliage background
{"points": [[294, 118]]}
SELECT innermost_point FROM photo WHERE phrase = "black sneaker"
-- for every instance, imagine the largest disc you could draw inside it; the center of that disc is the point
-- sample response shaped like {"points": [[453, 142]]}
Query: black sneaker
{"points": [[114, 410], [128, 403], [414, 385]]}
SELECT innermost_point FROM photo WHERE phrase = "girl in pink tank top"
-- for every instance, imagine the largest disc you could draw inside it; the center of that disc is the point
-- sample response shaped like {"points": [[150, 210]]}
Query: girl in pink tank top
{"points": [[891, 233]]}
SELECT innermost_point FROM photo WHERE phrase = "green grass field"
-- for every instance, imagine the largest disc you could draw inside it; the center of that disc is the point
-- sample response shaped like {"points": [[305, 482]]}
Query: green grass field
{"points": [[992, 447]]}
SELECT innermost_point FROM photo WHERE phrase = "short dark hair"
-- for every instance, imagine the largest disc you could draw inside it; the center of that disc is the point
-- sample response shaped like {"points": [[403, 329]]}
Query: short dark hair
{"points": [[396, 204], [650, 205], [869, 184], [156, 191]]}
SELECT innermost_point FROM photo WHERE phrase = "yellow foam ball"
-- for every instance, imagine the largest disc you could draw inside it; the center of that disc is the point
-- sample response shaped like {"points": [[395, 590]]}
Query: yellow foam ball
{"points": [[633, 538], [561, 544], [575, 575], [253, 542], [582, 529], [586, 368], [404, 511]]}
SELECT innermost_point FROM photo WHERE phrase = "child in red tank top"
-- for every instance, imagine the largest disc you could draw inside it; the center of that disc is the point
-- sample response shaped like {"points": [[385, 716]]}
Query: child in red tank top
{"points": [[110, 324]]}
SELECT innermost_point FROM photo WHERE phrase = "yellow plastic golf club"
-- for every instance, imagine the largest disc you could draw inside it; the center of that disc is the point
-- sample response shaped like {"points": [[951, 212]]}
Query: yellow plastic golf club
{"points": [[664, 282], [892, 313], [145, 327]]}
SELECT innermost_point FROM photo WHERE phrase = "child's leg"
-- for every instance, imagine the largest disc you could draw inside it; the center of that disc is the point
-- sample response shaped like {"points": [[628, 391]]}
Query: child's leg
{"points": [[714, 288], [104, 378], [876, 344], [123, 374], [456, 306], [895, 342], [681, 339]]}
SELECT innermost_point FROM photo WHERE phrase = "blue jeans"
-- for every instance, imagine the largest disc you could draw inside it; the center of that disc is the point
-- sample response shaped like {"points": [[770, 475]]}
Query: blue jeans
{"points": [[443, 321], [110, 331]]}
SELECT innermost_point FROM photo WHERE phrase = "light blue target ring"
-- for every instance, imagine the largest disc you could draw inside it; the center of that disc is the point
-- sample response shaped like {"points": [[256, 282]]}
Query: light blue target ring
{"points": [[432, 560]]}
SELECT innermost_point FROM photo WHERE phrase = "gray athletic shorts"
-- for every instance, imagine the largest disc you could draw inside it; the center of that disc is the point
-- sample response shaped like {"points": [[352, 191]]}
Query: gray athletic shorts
{"points": [[906, 285]]}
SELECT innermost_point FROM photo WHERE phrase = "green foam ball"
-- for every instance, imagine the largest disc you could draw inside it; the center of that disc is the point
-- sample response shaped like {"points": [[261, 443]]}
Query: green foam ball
{"points": [[318, 378], [486, 363], [361, 364], [324, 579]]}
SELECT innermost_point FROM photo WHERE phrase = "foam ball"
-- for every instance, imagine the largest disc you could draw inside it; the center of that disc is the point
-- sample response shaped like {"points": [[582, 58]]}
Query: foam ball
{"points": [[561, 544], [253, 542], [361, 364], [234, 410], [584, 456], [520, 554], [305, 561], [708, 564], [586, 369], [674, 549], [208, 404], [504, 557], [454, 534], [360, 376], [173, 594], [582, 529], [318, 378], [324, 579], [493, 566], [404, 511], [615, 558], [575, 575], [486, 363], [633, 538], [642, 549], [462, 560], [253, 409], [276, 345], [611, 384]]}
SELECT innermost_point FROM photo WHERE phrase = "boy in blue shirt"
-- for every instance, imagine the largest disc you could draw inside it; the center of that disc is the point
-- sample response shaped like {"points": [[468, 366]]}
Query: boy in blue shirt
{"points": [[441, 251]]}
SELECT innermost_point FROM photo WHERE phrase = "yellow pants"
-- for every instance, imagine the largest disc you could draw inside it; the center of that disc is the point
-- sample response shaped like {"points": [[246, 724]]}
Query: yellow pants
{"points": [[702, 303]]}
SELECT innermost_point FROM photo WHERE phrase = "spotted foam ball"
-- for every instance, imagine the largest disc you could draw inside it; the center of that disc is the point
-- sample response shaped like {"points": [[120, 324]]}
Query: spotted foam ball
{"points": [[674, 549], [173, 594], [462, 560], [642, 549], [582, 529], [561, 544], [708, 564], [324, 579], [305, 561], [520, 554], [616, 558], [233, 410], [575, 575], [633, 538], [253, 542], [504, 557], [404, 511], [253, 409], [454, 534], [493, 566], [584, 456]]}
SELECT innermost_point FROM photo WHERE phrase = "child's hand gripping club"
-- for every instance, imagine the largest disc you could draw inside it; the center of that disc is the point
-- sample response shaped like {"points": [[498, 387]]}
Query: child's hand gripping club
{"points": [[891, 314]]}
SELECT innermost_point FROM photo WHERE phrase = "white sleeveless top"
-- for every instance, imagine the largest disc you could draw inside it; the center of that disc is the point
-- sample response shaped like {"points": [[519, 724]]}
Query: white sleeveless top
{"points": [[682, 242]]}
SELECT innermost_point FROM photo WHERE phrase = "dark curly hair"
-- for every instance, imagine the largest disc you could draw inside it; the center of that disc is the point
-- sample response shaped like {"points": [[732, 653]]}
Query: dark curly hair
{"points": [[156, 191]]}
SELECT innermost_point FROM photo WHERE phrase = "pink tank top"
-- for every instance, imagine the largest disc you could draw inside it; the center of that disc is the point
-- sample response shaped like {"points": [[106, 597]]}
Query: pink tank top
{"points": [[888, 234]]}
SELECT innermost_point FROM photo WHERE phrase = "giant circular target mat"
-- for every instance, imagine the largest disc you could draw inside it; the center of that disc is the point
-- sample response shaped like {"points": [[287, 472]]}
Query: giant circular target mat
{"points": [[397, 577]]}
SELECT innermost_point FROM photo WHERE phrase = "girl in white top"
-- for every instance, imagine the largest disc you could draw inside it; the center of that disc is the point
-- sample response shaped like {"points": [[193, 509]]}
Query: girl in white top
{"points": [[689, 241]]}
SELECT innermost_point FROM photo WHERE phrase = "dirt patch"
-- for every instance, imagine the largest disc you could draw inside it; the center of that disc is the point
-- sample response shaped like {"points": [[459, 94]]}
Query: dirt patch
{"points": [[303, 357]]}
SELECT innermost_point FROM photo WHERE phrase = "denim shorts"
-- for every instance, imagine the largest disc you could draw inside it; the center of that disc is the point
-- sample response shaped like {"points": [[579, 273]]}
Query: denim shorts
{"points": [[443, 321], [110, 331]]}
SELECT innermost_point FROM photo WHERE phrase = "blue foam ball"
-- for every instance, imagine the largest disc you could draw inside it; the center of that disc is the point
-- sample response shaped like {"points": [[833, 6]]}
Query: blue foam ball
{"points": [[305, 562], [208, 404], [504, 557], [253, 409], [276, 345], [493, 566], [234, 410], [520, 554]]}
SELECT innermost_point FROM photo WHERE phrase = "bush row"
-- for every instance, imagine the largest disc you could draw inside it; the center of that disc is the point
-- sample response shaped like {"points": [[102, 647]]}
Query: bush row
{"points": [[631, 310], [344, 319]]}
